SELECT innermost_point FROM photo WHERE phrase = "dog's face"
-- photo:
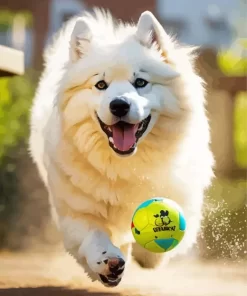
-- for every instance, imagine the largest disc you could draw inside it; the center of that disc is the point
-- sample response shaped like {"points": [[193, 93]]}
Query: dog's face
{"points": [[119, 86], [127, 96], [128, 106]]}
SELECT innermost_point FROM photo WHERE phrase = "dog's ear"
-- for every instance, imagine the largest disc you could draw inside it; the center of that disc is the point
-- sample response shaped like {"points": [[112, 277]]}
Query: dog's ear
{"points": [[149, 30], [80, 40]]}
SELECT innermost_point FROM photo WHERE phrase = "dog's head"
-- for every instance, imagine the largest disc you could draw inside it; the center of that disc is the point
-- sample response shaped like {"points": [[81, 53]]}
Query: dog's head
{"points": [[122, 87]]}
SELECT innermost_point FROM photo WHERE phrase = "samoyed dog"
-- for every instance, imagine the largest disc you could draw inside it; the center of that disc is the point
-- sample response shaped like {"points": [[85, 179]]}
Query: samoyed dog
{"points": [[118, 118]]}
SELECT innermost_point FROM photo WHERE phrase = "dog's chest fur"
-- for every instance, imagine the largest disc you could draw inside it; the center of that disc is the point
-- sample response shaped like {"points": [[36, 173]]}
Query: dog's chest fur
{"points": [[86, 189]]}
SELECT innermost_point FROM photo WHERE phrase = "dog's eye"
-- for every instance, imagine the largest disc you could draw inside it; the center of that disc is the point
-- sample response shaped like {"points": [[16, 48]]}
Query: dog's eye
{"points": [[101, 85], [139, 82]]}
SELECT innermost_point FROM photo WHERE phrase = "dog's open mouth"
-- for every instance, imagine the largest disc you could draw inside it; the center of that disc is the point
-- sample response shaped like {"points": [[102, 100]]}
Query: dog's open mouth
{"points": [[124, 136]]}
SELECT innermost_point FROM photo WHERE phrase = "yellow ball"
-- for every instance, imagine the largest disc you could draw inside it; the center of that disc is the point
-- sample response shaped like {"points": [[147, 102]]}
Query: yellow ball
{"points": [[158, 224]]}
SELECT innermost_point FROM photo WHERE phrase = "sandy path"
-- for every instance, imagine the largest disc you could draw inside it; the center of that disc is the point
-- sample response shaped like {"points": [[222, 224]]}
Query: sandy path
{"points": [[35, 274]]}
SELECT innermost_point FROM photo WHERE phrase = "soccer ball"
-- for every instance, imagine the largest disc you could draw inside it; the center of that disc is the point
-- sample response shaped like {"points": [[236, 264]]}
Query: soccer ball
{"points": [[158, 224]]}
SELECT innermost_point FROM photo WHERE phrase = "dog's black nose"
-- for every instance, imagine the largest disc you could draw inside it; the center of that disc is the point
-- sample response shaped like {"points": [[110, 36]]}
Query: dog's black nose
{"points": [[119, 107]]}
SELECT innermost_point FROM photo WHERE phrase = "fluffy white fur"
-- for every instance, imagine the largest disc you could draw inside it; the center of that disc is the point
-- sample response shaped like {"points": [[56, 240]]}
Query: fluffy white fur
{"points": [[93, 192]]}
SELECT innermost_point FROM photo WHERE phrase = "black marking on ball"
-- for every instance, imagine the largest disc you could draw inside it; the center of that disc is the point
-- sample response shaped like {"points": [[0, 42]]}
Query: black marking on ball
{"points": [[106, 261], [137, 231], [98, 262], [104, 252]]}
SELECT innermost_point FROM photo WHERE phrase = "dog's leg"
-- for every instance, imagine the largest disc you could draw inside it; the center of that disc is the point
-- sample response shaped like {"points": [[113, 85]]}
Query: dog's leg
{"points": [[93, 249], [126, 249], [145, 258]]}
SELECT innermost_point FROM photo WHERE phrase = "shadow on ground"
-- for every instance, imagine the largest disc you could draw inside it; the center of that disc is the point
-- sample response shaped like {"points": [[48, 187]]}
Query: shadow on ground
{"points": [[51, 291]]}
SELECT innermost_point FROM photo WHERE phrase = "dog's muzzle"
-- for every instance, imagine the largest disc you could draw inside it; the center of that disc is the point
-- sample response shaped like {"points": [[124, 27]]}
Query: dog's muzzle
{"points": [[123, 136]]}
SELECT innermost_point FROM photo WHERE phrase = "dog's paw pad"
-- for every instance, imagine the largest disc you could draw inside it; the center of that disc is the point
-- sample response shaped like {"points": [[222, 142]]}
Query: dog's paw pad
{"points": [[113, 273], [109, 281], [116, 264]]}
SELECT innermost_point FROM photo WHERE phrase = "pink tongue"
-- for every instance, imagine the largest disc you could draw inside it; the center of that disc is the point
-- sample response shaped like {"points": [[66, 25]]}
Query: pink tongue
{"points": [[124, 137]]}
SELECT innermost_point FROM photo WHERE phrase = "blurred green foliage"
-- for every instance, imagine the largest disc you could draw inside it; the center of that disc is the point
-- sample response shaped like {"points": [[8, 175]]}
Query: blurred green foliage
{"points": [[7, 17], [233, 62], [15, 99], [240, 129], [224, 231]]}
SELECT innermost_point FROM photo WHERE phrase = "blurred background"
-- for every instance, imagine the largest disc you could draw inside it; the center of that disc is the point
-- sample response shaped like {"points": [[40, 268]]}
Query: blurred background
{"points": [[219, 27]]}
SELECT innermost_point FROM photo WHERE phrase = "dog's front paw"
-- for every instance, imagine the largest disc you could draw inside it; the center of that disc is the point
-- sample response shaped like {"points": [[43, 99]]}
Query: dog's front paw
{"points": [[110, 267], [104, 260], [113, 271]]}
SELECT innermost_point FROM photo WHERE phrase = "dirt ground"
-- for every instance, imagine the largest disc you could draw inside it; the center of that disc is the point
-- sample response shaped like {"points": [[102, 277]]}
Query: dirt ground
{"points": [[56, 274]]}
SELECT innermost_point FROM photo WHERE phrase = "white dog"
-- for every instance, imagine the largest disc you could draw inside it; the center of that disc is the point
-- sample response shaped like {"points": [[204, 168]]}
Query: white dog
{"points": [[118, 118]]}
